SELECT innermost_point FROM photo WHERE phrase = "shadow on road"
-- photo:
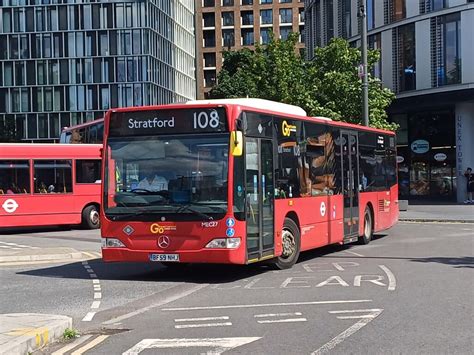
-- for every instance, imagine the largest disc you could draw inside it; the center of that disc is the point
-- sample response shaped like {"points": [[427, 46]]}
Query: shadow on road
{"points": [[461, 262], [196, 273]]}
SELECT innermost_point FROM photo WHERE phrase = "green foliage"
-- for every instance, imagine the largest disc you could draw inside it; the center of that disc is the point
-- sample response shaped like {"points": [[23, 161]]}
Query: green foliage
{"points": [[327, 86], [70, 334], [8, 131]]}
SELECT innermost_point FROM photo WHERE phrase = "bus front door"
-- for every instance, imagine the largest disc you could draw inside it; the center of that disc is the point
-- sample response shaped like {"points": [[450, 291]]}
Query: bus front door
{"points": [[350, 185], [259, 198]]}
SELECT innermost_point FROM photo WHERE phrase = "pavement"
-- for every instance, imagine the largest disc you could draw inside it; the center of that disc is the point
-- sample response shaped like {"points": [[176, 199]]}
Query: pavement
{"points": [[22, 333]]}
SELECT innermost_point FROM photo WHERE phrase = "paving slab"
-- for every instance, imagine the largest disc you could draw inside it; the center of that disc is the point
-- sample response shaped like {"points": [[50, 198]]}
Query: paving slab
{"points": [[22, 333], [462, 213]]}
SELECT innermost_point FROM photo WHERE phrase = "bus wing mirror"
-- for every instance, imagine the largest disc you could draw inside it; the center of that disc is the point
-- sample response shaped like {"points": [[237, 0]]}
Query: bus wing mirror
{"points": [[236, 143]]}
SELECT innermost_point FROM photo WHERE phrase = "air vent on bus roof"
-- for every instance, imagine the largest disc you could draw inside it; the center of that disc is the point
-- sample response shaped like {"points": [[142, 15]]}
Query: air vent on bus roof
{"points": [[256, 103], [322, 118]]}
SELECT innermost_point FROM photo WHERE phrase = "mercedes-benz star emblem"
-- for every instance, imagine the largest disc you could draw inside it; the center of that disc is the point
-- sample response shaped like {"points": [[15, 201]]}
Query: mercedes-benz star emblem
{"points": [[163, 242]]}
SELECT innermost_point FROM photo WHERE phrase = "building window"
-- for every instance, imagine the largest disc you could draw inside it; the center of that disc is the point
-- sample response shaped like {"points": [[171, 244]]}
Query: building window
{"points": [[437, 4], [266, 17], [209, 60], [208, 3], [247, 17], [266, 2], [286, 15], [208, 19], [209, 78], [227, 19], [227, 2], [346, 18], [375, 42], [228, 38], [265, 35], [247, 37], [329, 10], [406, 58], [285, 32], [285, 1], [370, 15], [398, 10], [209, 38], [448, 69], [247, 2]]}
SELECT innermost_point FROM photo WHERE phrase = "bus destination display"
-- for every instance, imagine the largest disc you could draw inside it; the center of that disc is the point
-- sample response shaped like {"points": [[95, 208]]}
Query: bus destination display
{"points": [[141, 123]]}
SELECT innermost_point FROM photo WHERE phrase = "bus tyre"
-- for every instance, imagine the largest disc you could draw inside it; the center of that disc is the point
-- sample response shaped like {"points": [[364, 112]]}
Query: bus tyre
{"points": [[368, 228], [90, 217], [290, 238]]}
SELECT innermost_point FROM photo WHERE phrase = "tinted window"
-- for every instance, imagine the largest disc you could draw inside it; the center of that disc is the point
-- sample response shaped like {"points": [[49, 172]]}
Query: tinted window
{"points": [[14, 176], [52, 176], [367, 161], [87, 171]]}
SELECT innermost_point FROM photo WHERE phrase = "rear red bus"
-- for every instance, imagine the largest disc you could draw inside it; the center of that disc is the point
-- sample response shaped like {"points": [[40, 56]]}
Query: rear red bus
{"points": [[50, 184], [240, 181]]}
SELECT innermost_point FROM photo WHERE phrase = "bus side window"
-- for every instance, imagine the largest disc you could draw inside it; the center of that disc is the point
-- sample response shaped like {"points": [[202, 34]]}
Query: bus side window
{"points": [[14, 176], [52, 176], [87, 171]]}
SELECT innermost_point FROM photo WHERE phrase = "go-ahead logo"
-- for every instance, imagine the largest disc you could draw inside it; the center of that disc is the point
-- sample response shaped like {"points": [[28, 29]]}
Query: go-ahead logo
{"points": [[286, 128], [156, 228], [10, 205]]}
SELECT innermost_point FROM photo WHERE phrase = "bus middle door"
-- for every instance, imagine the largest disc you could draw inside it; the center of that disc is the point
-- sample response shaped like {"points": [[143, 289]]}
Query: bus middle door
{"points": [[259, 198], [350, 185]]}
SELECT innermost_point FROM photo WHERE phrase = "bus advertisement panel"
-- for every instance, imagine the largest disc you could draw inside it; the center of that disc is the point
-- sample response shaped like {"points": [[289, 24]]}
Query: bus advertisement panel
{"points": [[240, 181], [49, 184]]}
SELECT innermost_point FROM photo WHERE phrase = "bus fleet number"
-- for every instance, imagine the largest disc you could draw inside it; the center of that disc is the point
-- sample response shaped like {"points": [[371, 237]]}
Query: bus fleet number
{"points": [[202, 120]]}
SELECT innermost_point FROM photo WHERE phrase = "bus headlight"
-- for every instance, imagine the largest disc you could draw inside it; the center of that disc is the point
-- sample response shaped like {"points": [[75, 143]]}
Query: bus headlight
{"points": [[112, 243], [224, 243]]}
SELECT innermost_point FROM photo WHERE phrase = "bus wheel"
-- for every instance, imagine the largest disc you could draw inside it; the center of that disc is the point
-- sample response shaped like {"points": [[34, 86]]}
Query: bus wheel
{"points": [[368, 228], [290, 238], [90, 217]]}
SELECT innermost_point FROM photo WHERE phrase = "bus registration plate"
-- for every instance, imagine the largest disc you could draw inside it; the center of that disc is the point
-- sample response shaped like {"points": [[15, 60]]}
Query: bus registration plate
{"points": [[164, 257]]}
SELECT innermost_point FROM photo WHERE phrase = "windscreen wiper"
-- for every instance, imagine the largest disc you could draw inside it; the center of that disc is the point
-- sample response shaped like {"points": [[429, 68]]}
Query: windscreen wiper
{"points": [[192, 210]]}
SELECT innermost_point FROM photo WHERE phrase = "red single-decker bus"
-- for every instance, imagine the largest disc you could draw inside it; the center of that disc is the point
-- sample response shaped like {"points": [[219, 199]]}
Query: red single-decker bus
{"points": [[240, 181], [50, 184]]}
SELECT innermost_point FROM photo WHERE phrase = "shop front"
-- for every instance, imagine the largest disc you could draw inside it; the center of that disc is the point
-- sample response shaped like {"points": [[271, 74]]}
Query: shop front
{"points": [[426, 158]]}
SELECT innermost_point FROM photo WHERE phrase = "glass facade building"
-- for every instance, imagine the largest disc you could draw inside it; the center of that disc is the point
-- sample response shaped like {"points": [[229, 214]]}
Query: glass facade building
{"points": [[426, 48], [64, 62]]}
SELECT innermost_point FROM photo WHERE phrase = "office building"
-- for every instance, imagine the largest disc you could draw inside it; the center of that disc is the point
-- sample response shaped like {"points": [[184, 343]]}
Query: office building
{"points": [[427, 50], [64, 62], [233, 24]]}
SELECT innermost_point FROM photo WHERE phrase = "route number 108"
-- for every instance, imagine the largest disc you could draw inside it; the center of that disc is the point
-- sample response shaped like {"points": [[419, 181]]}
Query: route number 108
{"points": [[202, 120]]}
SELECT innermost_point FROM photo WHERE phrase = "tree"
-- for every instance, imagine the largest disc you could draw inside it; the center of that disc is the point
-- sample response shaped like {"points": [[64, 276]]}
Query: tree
{"points": [[326, 86]]}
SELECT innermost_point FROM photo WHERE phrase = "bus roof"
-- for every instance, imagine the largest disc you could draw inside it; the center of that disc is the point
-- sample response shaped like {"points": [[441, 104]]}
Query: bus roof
{"points": [[48, 151], [255, 103]]}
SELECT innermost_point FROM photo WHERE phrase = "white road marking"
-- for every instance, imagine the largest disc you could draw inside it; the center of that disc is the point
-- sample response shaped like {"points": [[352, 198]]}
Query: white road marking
{"points": [[87, 266], [355, 311], [93, 276], [264, 305], [88, 317], [218, 345], [158, 304], [345, 334], [90, 345], [200, 319], [353, 253], [90, 271], [392, 281], [9, 245], [85, 263], [288, 320], [95, 304], [95, 281], [97, 288], [11, 248], [364, 316], [97, 295], [277, 315], [75, 343], [205, 325]]}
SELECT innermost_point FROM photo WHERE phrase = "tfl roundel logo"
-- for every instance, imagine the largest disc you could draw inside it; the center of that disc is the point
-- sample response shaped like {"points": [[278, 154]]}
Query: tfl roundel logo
{"points": [[10, 205]]}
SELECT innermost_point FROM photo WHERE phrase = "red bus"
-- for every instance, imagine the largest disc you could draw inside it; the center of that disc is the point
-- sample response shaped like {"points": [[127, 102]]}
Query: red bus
{"points": [[240, 181], [50, 184], [90, 133]]}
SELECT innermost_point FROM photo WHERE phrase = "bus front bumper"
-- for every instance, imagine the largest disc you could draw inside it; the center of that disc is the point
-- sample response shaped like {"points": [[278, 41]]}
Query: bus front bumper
{"points": [[211, 256]]}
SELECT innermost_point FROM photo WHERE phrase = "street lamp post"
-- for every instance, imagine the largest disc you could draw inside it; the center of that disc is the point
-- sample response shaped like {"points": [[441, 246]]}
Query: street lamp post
{"points": [[365, 76]]}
